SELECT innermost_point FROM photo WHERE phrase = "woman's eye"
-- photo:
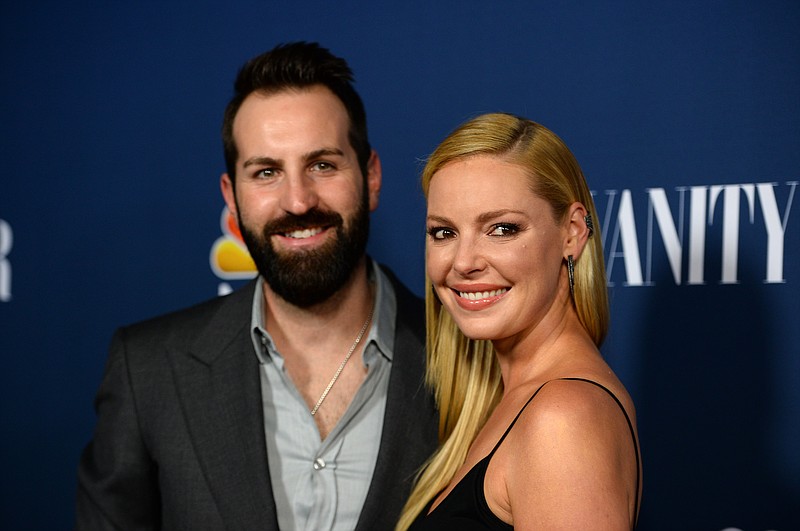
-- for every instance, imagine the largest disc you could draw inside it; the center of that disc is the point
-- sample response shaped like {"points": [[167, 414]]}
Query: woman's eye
{"points": [[504, 229], [440, 233]]}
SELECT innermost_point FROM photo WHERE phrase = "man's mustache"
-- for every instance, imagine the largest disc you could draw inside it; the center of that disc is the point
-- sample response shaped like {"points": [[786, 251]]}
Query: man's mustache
{"points": [[312, 218]]}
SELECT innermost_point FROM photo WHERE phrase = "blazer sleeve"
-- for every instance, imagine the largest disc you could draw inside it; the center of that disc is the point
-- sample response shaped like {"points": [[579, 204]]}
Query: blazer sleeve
{"points": [[117, 479]]}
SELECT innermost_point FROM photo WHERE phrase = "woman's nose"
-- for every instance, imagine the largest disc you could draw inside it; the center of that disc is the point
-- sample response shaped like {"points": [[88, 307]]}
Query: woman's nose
{"points": [[468, 258]]}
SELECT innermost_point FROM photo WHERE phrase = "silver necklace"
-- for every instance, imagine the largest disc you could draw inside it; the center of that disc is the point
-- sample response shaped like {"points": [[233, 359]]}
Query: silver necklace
{"points": [[344, 362]]}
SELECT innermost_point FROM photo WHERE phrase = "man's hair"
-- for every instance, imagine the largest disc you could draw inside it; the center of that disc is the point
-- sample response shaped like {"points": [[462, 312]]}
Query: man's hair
{"points": [[297, 65]]}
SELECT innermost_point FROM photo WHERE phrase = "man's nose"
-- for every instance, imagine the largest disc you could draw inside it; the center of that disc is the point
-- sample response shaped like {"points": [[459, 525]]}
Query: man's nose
{"points": [[299, 195]]}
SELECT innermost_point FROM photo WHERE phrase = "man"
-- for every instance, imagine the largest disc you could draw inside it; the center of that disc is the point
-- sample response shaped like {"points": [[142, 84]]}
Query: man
{"points": [[297, 402]]}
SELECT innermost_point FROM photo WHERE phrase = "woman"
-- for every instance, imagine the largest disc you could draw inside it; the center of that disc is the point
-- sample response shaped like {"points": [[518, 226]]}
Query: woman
{"points": [[537, 432]]}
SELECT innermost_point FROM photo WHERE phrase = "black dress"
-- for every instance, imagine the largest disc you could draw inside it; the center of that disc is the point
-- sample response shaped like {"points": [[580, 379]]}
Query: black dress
{"points": [[465, 508]]}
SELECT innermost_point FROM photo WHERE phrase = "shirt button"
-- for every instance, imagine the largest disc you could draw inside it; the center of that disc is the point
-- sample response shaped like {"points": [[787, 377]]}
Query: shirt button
{"points": [[319, 463]]}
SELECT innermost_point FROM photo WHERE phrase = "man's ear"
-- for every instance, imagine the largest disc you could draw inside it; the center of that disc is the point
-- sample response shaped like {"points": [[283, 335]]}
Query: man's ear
{"points": [[578, 230], [374, 179], [228, 194]]}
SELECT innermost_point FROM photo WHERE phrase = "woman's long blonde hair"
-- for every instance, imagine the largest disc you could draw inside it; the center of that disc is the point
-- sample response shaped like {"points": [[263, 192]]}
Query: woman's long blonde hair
{"points": [[464, 373]]}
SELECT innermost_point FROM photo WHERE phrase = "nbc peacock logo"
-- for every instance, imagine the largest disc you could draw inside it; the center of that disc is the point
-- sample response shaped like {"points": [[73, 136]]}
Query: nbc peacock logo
{"points": [[229, 258]]}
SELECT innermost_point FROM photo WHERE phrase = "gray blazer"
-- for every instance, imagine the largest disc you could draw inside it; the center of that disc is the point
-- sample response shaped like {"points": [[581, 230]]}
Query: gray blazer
{"points": [[179, 442]]}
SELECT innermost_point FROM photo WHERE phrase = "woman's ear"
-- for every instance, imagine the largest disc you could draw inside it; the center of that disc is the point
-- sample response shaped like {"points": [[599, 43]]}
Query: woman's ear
{"points": [[580, 227]]}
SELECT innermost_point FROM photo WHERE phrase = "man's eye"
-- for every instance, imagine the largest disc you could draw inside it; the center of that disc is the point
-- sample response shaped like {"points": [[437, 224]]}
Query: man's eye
{"points": [[323, 166], [504, 229], [266, 173]]}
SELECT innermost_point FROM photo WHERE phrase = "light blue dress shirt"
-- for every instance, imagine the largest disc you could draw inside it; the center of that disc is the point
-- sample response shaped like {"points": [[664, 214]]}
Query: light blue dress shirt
{"points": [[322, 485]]}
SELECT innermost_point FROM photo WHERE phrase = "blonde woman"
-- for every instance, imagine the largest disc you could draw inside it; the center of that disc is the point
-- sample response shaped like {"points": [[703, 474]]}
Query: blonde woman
{"points": [[536, 431]]}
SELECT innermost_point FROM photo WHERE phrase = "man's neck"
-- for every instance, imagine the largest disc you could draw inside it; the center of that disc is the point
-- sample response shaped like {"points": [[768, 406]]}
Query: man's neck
{"points": [[314, 341]]}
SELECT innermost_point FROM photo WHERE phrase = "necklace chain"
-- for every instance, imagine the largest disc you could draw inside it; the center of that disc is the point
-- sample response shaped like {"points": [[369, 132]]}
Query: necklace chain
{"points": [[344, 361]]}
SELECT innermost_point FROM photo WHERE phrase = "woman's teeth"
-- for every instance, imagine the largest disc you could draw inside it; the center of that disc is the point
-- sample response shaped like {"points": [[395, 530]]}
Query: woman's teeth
{"points": [[478, 295]]}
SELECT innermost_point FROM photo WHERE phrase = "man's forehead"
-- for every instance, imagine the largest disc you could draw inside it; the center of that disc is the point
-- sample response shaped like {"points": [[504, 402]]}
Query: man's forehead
{"points": [[294, 100], [312, 111], [291, 124]]}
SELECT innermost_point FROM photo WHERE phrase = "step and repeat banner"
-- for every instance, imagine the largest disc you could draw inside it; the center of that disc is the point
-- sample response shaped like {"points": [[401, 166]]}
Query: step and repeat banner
{"points": [[685, 117]]}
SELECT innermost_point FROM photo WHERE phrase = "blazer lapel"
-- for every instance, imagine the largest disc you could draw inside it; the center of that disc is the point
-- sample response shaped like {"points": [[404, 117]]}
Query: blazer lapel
{"points": [[218, 383], [410, 423]]}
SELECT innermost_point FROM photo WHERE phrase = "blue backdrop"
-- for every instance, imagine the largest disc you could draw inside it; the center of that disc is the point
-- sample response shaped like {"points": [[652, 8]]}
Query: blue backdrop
{"points": [[684, 116]]}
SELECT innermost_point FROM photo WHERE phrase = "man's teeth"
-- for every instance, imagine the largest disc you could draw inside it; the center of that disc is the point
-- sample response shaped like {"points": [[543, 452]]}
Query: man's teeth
{"points": [[305, 233], [478, 295]]}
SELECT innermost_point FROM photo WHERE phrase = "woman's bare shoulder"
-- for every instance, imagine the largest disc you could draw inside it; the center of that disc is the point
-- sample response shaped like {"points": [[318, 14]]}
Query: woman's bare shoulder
{"points": [[569, 456]]}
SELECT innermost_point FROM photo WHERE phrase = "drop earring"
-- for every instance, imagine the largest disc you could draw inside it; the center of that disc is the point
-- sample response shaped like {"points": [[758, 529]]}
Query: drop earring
{"points": [[571, 273]]}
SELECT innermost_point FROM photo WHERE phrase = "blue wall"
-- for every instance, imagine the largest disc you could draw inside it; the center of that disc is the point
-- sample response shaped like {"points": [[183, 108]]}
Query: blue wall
{"points": [[684, 116]]}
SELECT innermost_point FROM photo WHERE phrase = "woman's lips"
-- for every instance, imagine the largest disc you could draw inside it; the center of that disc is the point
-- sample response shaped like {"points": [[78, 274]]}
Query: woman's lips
{"points": [[478, 298]]}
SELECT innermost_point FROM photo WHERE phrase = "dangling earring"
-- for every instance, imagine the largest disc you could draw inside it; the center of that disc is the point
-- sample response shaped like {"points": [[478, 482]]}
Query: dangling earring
{"points": [[571, 272], [589, 224]]}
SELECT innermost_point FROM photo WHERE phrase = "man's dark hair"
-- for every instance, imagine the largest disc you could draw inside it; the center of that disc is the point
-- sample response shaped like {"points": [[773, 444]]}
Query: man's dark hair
{"points": [[297, 65]]}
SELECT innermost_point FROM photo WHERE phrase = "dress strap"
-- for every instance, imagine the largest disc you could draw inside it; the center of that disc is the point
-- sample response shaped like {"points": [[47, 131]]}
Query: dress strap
{"points": [[496, 446], [627, 418], [633, 438]]}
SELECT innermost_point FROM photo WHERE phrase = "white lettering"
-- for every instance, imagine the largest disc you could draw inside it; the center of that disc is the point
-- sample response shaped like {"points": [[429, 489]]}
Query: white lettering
{"points": [[776, 229], [697, 234], [6, 241], [730, 225], [625, 233], [672, 237], [612, 194], [686, 239]]}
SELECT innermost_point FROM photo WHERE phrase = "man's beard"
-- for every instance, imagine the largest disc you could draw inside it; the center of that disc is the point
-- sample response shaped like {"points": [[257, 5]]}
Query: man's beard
{"points": [[307, 277]]}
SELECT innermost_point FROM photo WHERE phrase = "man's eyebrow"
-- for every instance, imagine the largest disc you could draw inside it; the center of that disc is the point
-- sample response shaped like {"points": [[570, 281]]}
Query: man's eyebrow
{"points": [[311, 155], [262, 161], [322, 152]]}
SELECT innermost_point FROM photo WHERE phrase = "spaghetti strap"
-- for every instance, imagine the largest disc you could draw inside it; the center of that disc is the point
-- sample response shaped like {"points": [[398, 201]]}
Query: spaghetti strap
{"points": [[627, 418], [503, 437], [633, 438]]}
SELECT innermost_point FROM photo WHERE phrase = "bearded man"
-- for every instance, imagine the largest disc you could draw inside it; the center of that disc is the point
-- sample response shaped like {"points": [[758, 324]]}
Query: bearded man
{"points": [[296, 402]]}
